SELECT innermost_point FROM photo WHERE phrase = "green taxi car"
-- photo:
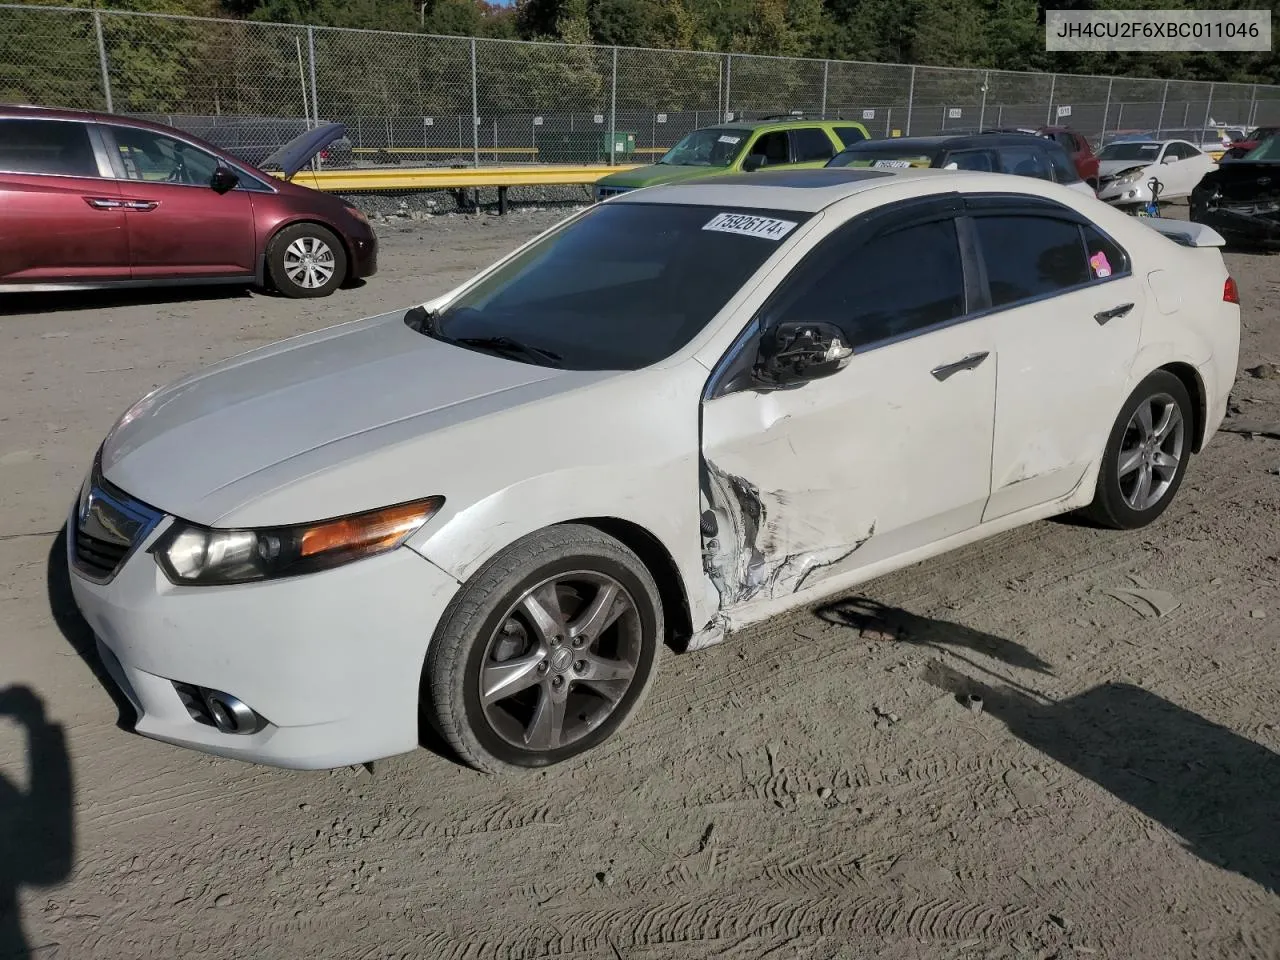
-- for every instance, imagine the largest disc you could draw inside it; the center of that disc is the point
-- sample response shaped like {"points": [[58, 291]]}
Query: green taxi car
{"points": [[740, 147]]}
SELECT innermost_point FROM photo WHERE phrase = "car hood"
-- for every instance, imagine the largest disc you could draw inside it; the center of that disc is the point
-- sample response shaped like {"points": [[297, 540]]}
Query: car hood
{"points": [[656, 173], [208, 444], [1243, 181], [299, 151], [1110, 168]]}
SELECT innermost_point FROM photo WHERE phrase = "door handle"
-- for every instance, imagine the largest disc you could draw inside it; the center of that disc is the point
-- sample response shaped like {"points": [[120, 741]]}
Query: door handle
{"points": [[142, 206], [103, 203], [1104, 315], [965, 363]]}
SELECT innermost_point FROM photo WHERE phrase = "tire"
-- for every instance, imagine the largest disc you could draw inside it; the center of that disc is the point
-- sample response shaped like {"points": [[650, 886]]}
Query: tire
{"points": [[1133, 453], [292, 274], [489, 624]]}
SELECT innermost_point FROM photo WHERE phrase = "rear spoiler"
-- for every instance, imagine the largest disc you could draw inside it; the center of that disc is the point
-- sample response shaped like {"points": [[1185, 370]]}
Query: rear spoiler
{"points": [[1184, 232]]}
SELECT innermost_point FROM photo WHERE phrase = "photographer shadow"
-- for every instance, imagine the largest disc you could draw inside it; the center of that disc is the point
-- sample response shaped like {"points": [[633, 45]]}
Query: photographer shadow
{"points": [[37, 825]]}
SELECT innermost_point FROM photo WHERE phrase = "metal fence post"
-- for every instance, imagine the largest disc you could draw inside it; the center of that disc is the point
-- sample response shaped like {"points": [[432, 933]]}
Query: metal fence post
{"points": [[1164, 98], [911, 99], [102, 60], [1208, 107], [613, 111], [1106, 111], [311, 53], [826, 65], [728, 87], [475, 109], [1053, 86], [982, 110], [1253, 104]]}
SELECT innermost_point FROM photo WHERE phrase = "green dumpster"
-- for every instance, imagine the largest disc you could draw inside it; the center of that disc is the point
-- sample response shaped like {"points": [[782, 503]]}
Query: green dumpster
{"points": [[586, 146]]}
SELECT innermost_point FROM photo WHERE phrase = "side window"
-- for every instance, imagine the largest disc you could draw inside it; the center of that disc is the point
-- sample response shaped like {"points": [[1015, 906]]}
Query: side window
{"points": [[850, 135], [771, 146], [1064, 171], [1105, 258], [969, 160], [159, 159], [897, 283], [1030, 256], [1024, 161], [811, 144], [58, 148]]}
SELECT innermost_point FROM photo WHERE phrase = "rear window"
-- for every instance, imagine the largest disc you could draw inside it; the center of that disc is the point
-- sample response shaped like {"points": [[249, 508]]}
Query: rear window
{"points": [[51, 147], [1064, 170], [620, 288], [810, 144], [850, 135]]}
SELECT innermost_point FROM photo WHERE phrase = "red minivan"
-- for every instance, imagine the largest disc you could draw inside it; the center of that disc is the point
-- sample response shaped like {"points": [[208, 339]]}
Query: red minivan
{"points": [[96, 200]]}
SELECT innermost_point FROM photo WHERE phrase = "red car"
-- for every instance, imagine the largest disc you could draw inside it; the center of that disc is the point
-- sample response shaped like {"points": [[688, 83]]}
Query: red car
{"points": [[1077, 147], [1252, 140], [97, 200]]}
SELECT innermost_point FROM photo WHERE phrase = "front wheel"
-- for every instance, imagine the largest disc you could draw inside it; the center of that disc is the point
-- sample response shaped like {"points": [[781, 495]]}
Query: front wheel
{"points": [[306, 260], [1146, 455], [546, 652]]}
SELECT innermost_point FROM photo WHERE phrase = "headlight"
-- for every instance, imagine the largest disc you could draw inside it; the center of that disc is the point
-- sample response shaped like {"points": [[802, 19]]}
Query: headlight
{"points": [[1133, 175], [197, 556]]}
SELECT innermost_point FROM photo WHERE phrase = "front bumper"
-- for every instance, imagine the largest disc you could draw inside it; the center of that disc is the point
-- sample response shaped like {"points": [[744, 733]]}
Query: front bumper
{"points": [[1123, 194], [364, 256], [330, 661], [1252, 223]]}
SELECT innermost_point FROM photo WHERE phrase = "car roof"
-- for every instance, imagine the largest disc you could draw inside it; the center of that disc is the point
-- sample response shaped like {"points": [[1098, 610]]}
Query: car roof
{"points": [[11, 111], [808, 191], [950, 141]]}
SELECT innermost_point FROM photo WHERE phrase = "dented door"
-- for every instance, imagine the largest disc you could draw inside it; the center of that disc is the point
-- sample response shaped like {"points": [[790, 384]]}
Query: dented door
{"points": [[890, 453]]}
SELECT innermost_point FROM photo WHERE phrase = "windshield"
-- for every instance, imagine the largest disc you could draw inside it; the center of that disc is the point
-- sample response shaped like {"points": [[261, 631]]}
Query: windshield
{"points": [[620, 288], [1143, 151], [1267, 150], [882, 158], [715, 147], [1261, 133]]}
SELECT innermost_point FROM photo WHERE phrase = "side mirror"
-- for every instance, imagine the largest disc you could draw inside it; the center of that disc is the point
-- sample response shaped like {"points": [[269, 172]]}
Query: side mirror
{"points": [[224, 179], [797, 352], [1169, 158], [753, 162]]}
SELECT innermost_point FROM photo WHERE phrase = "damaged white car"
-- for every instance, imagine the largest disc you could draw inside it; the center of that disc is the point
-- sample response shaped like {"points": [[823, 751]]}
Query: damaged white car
{"points": [[679, 412], [1126, 169]]}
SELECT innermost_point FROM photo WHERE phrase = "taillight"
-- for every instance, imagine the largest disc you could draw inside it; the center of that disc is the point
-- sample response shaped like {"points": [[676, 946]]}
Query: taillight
{"points": [[1230, 293]]}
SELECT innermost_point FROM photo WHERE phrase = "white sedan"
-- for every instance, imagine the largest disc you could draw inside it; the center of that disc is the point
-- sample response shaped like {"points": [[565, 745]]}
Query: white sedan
{"points": [[1126, 168], [679, 412]]}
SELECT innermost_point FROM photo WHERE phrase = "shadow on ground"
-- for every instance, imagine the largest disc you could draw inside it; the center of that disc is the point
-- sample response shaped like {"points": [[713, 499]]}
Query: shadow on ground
{"points": [[71, 300], [37, 827], [76, 632]]}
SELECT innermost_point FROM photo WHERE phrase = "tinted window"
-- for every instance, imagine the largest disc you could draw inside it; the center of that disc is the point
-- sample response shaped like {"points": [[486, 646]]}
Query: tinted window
{"points": [[871, 154], [811, 144], [901, 282], [55, 147], [1105, 258], [849, 135], [970, 160], [156, 158], [1030, 256], [772, 146], [1064, 171], [622, 287], [1023, 161], [1183, 151]]}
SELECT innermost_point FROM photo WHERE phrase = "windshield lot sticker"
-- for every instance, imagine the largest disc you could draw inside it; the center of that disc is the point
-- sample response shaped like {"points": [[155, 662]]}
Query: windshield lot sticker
{"points": [[892, 164], [765, 227], [725, 138], [1100, 264]]}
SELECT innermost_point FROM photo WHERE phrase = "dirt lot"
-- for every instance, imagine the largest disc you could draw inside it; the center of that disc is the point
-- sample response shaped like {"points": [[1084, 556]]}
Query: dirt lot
{"points": [[809, 789]]}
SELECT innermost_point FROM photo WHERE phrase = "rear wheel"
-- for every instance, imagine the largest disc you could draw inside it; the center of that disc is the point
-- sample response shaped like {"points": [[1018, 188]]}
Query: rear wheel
{"points": [[306, 260], [1146, 455], [546, 652]]}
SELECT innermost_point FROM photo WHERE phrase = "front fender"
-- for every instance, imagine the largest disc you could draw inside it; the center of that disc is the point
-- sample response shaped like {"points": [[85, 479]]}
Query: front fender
{"points": [[662, 500]]}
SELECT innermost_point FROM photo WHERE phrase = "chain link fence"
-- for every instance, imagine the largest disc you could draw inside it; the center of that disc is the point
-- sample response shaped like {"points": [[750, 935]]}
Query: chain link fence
{"points": [[426, 100]]}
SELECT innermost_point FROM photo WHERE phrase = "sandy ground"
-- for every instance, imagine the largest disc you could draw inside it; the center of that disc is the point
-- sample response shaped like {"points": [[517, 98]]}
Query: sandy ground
{"points": [[812, 788]]}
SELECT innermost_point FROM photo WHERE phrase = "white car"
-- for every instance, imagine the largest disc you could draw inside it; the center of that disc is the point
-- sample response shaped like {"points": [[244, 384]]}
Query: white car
{"points": [[681, 411], [1126, 168]]}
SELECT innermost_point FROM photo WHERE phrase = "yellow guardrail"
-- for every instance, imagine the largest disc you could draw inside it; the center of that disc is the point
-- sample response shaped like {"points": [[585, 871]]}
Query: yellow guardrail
{"points": [[449, 151], [446, 178]]}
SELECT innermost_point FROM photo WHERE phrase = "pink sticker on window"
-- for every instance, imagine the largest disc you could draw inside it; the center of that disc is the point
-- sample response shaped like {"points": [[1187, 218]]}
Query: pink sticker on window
{"points": [[1101, 267]]}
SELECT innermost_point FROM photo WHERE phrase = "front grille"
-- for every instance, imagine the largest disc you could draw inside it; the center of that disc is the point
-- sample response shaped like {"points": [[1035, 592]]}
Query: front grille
{"points": [[110, 524], [99, 557]]}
